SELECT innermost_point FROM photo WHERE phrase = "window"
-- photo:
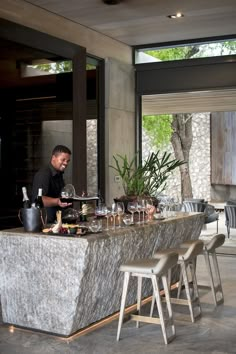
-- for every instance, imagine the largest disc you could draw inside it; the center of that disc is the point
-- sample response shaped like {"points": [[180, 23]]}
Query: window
{"points": [[186, 51]]}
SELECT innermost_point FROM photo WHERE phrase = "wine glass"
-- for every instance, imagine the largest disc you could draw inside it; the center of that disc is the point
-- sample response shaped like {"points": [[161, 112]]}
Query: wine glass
{"points": [[114, 213], [139, 209], [120, 211], [100, 210], [132, 208], [149, 209], [107, 215], [143, 208]]}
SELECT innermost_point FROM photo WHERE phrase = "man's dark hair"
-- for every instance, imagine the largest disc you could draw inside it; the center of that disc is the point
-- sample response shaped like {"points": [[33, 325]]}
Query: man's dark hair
{"points": [[59, 149]]}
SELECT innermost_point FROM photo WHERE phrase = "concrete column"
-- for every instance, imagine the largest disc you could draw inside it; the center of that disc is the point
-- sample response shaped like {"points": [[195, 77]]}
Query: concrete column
{"points": [[119, 119]]}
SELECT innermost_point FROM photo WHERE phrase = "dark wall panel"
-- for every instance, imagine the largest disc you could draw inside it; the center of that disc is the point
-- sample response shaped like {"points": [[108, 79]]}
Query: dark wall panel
{"points": [[189, 76]]}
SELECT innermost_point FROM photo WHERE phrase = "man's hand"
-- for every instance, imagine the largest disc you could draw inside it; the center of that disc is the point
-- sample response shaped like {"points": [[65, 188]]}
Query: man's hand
{"points": [[63, 204]]}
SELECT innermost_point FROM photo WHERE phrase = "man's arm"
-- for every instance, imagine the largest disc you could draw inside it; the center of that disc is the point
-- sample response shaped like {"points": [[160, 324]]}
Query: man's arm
{"points": [[50, 202]]}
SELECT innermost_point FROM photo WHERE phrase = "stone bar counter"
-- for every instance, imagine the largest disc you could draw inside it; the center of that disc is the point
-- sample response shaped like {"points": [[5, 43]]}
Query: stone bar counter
{"points": [[60, 284]]}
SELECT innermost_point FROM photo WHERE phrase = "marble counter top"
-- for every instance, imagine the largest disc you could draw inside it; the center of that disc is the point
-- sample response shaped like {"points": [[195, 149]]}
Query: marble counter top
{"points": [[61, 284]]}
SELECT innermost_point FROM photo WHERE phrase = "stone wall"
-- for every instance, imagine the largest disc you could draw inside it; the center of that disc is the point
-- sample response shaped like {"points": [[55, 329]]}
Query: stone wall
{"points": [[199, 159]]}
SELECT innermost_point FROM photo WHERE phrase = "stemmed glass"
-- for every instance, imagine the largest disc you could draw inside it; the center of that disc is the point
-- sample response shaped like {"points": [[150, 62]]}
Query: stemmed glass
{"points": [[149, 209], [107, 215], [162, 206], [120, 211], [132, 208], [100, 210], [139, 209], [142, 204], [114, 213]]}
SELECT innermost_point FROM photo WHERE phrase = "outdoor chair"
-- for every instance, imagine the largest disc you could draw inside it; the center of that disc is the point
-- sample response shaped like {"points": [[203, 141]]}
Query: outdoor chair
{"points": [[230, 217], [202, 207]]}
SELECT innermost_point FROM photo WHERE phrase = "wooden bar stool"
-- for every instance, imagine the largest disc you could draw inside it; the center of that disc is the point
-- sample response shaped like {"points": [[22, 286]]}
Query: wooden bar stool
{"points": [[209, 249], [187, 260], [155, 269]]}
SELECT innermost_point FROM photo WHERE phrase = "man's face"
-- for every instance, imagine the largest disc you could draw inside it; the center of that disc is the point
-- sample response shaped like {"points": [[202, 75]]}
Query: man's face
{"points": [[60, 161]]}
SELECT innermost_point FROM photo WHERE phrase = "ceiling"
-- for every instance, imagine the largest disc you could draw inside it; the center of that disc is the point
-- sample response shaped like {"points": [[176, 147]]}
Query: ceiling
{"points": [[137, 22]]}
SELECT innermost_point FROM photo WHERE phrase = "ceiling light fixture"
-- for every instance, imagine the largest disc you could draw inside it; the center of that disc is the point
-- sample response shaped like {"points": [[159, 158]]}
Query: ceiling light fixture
{"points": [[111, 2], [177, 15]]}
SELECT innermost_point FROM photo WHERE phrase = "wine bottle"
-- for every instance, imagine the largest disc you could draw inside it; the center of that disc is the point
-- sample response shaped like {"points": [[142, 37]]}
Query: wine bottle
{"points": [[26, 202], [39, 200], [84, 210]]}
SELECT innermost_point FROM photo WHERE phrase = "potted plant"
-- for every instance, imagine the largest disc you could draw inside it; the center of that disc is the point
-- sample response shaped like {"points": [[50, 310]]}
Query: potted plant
{"points": [[147, 179]]}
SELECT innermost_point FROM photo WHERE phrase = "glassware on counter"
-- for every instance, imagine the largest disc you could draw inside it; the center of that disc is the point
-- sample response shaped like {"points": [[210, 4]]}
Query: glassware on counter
{"points": [[107, 216], [120, 211], [132, 208], [114, 214], [95, 225], [128, 219]]}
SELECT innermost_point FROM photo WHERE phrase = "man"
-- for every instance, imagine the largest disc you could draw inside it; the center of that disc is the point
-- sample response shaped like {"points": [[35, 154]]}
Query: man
{"points": [[50, 179]]}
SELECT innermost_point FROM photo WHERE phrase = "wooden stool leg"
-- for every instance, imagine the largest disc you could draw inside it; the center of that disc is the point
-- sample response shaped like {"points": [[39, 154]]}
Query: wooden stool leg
{"points": [[208, 266], [216, 286], [196, 298], [187, 290], [152, 305], [159, 307], [180, 283], [139, 297], [218, 279], [168, 305], [123, 300]]}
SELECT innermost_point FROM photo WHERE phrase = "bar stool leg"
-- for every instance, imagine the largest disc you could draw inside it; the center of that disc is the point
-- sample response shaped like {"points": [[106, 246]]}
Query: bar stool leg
{"points": [[217, 285], [187, 290], [180, 283], [168, 304], [152, 305], [139, 297], [169, 288], [196, 297], [123, 300], [157, 295]]}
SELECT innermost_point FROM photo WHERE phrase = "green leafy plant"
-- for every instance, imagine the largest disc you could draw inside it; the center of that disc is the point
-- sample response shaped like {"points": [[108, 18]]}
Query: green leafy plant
{"points": [[146, 179]]}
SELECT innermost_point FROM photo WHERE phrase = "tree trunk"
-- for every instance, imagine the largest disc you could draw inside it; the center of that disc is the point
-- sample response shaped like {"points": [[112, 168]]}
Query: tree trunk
{"points": [[181, 140]]}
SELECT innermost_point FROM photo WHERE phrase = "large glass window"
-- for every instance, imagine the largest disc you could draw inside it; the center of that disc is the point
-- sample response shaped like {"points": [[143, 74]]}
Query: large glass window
{"points": [[187, 51]]}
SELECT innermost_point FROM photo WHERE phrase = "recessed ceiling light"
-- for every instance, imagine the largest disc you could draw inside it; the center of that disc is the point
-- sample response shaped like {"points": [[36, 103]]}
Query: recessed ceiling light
{"points": [[177, 15], [111, 2]]}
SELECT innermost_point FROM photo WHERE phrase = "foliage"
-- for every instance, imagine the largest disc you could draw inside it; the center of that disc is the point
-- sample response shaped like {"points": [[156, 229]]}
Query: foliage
{"points": [[148, 178], [158, 128], [54, 68], [194, 51], [177, 53], [59, 67]]}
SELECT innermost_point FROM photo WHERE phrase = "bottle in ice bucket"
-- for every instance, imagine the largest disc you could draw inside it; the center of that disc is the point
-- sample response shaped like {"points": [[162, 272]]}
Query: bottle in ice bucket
{"points": [[84, 210], [26, 202], [39, 200]]}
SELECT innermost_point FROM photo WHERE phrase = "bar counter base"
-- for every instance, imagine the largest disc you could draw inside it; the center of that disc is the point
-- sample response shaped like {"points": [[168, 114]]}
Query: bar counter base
{"points": [[62, 285]]}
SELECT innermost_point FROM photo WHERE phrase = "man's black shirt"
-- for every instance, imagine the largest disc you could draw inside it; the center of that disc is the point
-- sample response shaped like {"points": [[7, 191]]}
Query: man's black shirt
{"points": [[52, 182]]}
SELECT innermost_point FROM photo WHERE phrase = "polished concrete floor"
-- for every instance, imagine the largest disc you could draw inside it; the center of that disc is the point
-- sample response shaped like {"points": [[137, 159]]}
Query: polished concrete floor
{"points": [[214, 332]]}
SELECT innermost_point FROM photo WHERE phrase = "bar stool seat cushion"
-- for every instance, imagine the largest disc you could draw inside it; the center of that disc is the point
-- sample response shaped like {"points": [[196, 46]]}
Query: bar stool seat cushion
{"points": [[140, 266], [214, 243], [186, 252], [151, 266]]}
